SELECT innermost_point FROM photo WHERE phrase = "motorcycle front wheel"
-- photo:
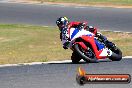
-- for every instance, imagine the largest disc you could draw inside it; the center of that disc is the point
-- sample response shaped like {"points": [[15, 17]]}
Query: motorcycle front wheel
{"points": [[87, 56], [116, 54]]}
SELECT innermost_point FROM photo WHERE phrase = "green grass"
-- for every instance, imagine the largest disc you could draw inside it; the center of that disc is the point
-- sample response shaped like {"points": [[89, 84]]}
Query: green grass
{"points": [[26, 43], [111, 2]]}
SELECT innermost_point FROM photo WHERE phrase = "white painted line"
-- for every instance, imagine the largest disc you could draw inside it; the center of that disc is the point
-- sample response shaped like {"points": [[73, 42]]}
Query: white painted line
{"points": [[128, 57], [36, 63], [45, 26], [79, 7], [50, 62], [115, 31]]}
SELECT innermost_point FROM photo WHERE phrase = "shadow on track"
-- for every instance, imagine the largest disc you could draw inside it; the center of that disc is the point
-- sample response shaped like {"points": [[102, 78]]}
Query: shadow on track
{"points": [[83, 62]]}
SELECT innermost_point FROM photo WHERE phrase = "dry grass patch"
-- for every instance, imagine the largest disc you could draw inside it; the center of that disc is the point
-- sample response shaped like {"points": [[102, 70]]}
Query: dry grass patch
{"points": [[28, 43], [90, 2]]}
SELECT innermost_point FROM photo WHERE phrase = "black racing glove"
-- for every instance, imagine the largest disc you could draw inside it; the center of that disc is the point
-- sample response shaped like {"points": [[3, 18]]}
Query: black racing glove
{"points": [[81, 25]]}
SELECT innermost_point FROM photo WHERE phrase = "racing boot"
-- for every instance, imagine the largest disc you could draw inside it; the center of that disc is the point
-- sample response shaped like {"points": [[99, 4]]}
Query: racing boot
{"points": [[109, 44], [105, 41]]}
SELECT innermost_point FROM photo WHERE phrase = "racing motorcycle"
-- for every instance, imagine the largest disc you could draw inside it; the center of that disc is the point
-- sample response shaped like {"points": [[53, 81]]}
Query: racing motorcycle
{"points": [[86, 46]]}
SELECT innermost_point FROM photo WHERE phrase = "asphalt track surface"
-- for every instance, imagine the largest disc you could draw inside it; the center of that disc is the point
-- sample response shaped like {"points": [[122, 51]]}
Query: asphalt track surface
{"points": [[63, 75], [42, 14]]}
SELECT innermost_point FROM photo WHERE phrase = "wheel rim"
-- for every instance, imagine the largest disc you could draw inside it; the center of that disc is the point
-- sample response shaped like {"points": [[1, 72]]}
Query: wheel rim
{"points": [[82, 54], [89, 53]]}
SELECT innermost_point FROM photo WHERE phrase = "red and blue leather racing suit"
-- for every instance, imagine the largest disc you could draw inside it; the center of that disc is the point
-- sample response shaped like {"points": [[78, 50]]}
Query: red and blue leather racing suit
{"points": [[64, 35]]}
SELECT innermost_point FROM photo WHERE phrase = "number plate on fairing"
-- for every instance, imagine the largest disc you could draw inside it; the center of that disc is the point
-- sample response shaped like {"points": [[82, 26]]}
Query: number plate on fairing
{"points": [[106, 52]]}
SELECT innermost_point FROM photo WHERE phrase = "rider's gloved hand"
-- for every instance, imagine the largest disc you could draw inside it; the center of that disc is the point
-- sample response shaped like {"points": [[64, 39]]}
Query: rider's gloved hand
{"points": [[98, 34], [82, 25]]}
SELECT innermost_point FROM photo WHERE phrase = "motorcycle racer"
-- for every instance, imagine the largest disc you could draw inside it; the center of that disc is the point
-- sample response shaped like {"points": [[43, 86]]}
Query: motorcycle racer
{"points": [[64, 26]]}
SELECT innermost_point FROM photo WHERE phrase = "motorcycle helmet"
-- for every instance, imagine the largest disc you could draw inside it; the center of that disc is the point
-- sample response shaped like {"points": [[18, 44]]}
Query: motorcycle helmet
{"points": [[62, 22]]}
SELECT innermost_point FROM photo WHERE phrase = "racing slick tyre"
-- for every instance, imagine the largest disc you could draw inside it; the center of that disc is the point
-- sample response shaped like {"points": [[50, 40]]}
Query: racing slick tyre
{"points": [[75, 57], [87, 56], [116, 54]]}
